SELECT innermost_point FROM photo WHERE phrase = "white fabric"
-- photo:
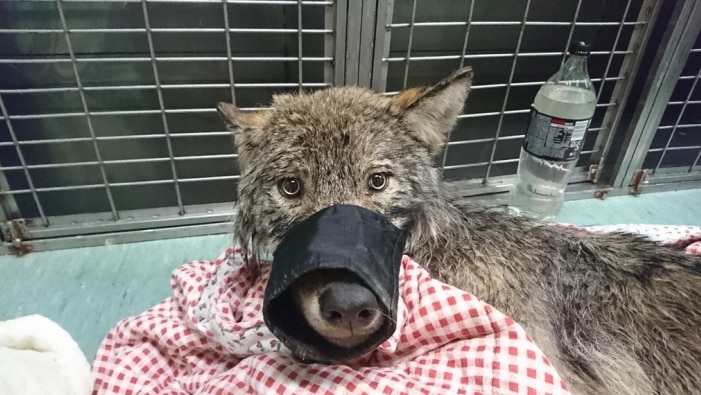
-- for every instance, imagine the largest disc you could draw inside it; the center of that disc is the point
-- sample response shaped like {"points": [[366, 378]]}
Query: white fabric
{"points": [[38, 357]]}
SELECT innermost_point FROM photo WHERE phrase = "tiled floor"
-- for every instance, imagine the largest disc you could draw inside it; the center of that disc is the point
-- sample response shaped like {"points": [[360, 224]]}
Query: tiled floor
{"points": [[87, 290]]}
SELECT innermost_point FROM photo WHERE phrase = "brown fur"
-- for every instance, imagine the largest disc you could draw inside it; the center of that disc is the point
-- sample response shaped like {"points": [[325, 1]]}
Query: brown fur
{"points": [[615, 313], [407, 97]]}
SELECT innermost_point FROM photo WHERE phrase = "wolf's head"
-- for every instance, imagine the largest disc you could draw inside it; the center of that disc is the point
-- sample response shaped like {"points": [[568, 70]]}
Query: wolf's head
{"points": [[343, 145]]}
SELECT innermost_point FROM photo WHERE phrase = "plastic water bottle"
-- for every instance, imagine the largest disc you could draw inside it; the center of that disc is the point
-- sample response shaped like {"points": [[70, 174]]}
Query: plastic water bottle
{"points": [[560, 116]]}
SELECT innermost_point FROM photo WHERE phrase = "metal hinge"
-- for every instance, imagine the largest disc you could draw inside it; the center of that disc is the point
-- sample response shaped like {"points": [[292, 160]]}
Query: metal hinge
{"points": [[593, 173], [15, 233], [593, 176], [636, 184]]}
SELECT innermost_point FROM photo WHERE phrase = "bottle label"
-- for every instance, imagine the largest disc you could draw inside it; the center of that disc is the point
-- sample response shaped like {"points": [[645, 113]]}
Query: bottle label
{"points": [[553, 138]]}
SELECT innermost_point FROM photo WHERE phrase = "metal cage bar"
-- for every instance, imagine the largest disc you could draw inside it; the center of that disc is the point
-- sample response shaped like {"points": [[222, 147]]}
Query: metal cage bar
{"points": [[170, 30], [357, 49], [230, 63], [613, 48], [123, 112], [120, 162], [469, 23], [676, 43], [209, 110], [299, 46], [111, 138], [496, 55], [572, 26], [23, 162], [411, 41], [485, 180], [164, 117], [335, 43], [508, 23], [666, 148], [606, 137], [88, 120], [121, 184], [243, 85], [696, 161], [631, 56], [383, 35], [168, 59], [260, 2], [367, 35], [621, 91], [470, 12], [56, 230], [528, 83], [8, 205], [353, 34]]}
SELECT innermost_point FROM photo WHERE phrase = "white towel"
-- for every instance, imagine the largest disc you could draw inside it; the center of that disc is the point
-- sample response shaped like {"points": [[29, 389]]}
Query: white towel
{"points": [[38, 357]]}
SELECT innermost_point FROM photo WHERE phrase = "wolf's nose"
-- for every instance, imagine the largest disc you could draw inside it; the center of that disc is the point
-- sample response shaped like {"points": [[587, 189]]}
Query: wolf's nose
{"points": [[347, 305]]}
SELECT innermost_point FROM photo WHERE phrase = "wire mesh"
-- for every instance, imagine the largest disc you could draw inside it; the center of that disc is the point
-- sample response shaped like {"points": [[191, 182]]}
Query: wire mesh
{"points": [[512, 50], [108, 120], [676, 145], [88, 120], [108, 106], [166, 129]]}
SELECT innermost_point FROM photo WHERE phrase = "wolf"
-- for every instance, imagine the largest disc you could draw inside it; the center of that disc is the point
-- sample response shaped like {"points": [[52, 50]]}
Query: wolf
{"points": [[615, 313]]}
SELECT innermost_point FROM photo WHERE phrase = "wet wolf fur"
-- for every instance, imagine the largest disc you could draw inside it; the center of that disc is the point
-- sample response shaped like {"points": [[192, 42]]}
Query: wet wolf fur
{"points": [[615, 313]]}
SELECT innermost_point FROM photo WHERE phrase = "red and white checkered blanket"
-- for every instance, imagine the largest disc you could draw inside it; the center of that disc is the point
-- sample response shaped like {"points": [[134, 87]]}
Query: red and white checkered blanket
{"points": [[209, 338]]}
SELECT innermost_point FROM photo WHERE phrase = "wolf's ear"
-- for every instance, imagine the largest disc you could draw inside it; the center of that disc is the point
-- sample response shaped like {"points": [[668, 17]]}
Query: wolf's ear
{"points": [[243, 125], [237, 121], [432, 111]]}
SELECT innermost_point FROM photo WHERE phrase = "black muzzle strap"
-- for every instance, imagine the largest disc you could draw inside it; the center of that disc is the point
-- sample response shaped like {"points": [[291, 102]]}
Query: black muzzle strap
{"points": [[363, 242]]}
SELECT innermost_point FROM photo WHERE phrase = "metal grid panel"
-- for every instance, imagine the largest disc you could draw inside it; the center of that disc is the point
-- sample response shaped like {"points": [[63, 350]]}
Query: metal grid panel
{"points": [[675, 151], [108, 119], [513, 50]]}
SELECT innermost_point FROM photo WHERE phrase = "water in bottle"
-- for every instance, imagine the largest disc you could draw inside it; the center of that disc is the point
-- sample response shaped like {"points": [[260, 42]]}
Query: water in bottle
{"points": [[560, 116]]}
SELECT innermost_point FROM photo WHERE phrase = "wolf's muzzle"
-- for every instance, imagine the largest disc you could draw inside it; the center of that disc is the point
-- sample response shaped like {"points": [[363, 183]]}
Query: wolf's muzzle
{"points": [[342, 237]]}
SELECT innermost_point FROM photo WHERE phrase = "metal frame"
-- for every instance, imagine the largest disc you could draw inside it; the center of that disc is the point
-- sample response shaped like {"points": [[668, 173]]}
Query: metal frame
{"points": [[675, 46], [8, 205], [353, 28], [490, 184], [86, 111], [360, 28], [462, 63], [6, 192], [509, 83], [638, 41], [335, 42], [117, 226], [356, 51], [383, 36]]}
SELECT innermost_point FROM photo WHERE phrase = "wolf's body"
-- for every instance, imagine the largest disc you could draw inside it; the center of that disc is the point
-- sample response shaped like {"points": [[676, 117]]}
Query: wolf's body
{"points": [[615, 313]]}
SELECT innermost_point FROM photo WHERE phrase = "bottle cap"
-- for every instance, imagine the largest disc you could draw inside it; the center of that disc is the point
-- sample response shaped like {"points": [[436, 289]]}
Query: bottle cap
{"points": [[580, 48]]}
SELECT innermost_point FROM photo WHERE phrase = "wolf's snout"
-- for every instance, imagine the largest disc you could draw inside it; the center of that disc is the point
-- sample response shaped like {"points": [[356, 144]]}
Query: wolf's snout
{"points": [[336, 297], [349, 306]]}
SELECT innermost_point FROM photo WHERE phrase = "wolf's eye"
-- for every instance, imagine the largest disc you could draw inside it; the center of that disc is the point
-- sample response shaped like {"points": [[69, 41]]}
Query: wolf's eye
{"points": [[377, 181], [290, 187]]}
